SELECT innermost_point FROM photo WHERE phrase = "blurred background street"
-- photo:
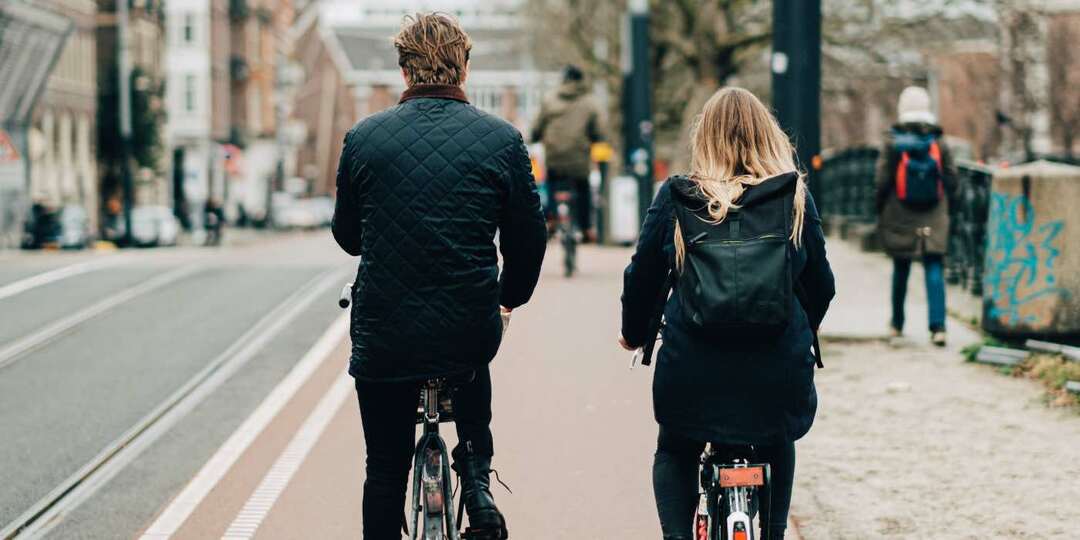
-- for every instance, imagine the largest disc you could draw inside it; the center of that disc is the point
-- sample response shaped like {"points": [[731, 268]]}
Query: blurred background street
{"points": [[172, 361]]}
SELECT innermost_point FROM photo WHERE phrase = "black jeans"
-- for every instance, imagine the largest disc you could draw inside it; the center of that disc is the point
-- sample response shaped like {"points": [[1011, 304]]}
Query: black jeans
{"points": [[675, 483], [388, 413], [581, 201]]}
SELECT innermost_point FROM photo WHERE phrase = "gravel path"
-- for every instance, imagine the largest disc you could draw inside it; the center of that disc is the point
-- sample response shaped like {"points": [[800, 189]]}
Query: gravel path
{"points": [[913, 442]]}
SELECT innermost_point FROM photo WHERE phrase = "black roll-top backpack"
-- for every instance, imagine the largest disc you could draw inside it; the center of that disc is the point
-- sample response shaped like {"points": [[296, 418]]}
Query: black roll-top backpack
{"points": [[736, 279]]}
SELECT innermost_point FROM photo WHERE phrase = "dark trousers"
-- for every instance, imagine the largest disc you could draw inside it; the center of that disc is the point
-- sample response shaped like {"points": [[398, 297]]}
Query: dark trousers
{"points": [[935, 290], [675, 483], [581, 193], [388, 414]]}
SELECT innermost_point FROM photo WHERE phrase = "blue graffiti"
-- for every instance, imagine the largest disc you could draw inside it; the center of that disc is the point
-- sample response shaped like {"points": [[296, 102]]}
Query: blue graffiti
{"points": [[1020, 259]]}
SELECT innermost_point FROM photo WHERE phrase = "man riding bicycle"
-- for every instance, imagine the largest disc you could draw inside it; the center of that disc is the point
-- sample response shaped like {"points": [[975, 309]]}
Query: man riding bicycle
{"points": [[422, 190], [568, 123]]}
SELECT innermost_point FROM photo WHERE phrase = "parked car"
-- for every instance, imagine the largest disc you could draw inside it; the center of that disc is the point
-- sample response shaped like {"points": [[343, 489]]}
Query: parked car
{"points": [[68, 228], [154, 226], [293, 213], [74, 227], [324, 209]]}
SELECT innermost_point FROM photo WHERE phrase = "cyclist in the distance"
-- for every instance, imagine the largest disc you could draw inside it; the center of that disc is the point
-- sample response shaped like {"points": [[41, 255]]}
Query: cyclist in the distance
{"points": [[568, 123], [422, 190]]}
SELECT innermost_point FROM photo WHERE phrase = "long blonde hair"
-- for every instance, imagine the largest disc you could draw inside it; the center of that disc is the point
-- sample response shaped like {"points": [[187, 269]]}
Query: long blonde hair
{"points": [[736, 143]]}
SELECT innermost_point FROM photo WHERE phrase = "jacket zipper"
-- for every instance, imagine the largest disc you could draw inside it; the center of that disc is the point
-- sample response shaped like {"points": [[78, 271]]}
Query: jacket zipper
{"points": [[769, 236]]}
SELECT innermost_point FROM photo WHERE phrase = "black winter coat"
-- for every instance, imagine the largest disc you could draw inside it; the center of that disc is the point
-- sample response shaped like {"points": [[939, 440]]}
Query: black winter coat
{"points": [[422, 189], [749, 391]]}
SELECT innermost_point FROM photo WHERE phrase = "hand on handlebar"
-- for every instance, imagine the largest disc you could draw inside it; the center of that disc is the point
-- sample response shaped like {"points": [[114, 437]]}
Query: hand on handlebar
{"points": [[346, 296], [504, 313]]}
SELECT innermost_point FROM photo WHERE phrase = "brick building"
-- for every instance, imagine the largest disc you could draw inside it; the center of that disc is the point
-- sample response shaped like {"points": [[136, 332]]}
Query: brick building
{"points": [[351, 70], [61, 149], [222, 63]]}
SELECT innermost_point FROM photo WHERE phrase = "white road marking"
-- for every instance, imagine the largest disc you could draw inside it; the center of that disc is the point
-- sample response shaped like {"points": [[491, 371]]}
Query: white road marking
{"points": [[273, 484], [77, 488], [31, 282], [12, 352], [181, 508]]}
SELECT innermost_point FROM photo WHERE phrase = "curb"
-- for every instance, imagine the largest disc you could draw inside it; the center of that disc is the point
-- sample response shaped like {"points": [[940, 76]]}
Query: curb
{"points": [[842, 338]]}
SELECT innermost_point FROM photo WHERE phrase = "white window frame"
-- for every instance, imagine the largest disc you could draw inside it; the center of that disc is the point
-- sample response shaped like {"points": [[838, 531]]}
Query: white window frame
{"points": [[187, 29], [190, 93]]}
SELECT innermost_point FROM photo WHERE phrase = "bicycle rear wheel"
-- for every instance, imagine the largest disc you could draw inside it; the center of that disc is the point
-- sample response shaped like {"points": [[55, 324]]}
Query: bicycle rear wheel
{"points": [[434, 501], [432, 492], [569, 251]]}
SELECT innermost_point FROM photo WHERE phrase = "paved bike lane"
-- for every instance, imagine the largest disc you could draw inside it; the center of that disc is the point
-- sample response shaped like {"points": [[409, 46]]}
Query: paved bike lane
{"points": [[573, 426]]}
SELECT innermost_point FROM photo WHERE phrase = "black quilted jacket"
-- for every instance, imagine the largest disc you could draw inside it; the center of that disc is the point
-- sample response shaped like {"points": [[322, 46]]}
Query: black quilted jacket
{"points": [[422, 189]]}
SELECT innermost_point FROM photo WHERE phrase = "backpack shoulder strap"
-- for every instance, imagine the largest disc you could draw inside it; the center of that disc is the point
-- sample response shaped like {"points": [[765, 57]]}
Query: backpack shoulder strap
{"points": [[800, 293]]}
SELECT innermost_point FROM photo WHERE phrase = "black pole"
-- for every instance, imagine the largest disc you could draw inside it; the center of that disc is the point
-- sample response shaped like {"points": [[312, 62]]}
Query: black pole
{"points": [[602, 207], [637, 104], [796, 77], [124, 73]]}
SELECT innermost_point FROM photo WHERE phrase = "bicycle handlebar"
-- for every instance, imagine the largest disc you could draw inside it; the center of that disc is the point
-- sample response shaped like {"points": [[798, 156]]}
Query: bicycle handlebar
{"points": [[346, 296]]}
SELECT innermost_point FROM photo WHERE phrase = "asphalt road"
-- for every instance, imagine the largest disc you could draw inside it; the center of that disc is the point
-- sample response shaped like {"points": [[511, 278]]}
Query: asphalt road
{"points": [[87, 357], [573, 427], [263, 437]]}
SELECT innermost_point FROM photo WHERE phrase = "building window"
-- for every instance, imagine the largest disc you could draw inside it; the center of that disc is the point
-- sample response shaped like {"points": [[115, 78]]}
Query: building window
{"points": [[189, 93], [255, 110], [189, 28]]}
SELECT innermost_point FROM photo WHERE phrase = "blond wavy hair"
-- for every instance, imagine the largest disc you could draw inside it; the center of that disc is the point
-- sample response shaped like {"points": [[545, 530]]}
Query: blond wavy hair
{"points": [[433, 49], [736, 142]]}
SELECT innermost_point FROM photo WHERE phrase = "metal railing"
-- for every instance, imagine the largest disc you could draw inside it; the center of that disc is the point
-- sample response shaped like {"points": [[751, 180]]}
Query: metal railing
{"points": [[847, 185], [967, 227], [847, 192]]}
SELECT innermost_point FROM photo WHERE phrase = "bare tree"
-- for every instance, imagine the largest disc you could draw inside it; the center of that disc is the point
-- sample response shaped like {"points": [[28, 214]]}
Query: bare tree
{"points": [[1022, 39], [871, 50], [697, 46], [1063, 63]]}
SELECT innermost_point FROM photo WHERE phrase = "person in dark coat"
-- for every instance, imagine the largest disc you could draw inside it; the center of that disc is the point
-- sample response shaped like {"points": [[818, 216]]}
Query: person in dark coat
{"points": [[909, 232], [568, 124], [732, 391], [422, 190]]}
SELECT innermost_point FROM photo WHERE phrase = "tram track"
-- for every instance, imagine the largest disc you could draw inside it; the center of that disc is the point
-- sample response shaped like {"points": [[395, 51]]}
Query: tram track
{"points": [[48, 511]]}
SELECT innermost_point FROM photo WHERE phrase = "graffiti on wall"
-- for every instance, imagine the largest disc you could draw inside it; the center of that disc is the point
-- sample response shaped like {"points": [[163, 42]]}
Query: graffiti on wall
{"points": [[1021, 284]]}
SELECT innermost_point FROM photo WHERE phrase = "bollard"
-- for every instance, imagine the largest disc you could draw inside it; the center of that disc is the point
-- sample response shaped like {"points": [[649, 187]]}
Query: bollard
{"points": [[601, 154], [1031, 276]]}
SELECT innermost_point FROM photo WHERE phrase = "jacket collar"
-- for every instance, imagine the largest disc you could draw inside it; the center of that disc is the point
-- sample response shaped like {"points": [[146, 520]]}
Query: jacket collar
{"points": [[438, 91]]}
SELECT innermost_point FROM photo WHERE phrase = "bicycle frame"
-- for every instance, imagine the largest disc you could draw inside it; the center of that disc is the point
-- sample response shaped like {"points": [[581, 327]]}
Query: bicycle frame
{"points": [[730, 485], [432, 493], [563, 211]]}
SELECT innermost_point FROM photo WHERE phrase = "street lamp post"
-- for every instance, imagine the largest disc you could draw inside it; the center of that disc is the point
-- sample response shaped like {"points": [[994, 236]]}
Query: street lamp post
{"points": [[796, 76], [637, 102], [124, 72]]}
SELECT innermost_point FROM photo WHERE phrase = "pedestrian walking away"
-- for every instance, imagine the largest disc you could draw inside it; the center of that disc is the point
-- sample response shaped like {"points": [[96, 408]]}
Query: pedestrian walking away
{"points": [[568, 123], [916, 182], [736, 364], [423, 214]]}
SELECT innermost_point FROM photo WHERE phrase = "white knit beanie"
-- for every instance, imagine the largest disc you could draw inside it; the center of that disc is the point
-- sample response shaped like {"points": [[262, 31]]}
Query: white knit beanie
{"points": [[914, 107]]}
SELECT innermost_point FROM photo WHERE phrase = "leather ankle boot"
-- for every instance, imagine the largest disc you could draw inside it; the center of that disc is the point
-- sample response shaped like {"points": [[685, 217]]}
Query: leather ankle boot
{"points": [[485, 520]]}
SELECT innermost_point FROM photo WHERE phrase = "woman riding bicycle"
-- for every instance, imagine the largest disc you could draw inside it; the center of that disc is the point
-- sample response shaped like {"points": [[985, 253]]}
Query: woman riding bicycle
{"points": [[729, 387]]}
